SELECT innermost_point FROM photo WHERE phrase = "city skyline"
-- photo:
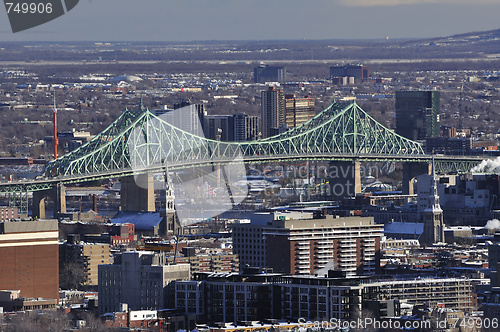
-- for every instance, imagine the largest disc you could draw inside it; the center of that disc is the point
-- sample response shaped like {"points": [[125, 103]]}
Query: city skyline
{"points": [[160, 20]]}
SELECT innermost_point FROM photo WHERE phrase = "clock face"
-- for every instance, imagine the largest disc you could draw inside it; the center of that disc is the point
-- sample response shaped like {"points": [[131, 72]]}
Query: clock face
{"points": [[26, 14]]}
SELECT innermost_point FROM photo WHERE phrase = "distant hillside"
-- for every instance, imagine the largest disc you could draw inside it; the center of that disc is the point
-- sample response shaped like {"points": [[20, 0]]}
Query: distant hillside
{"points": [[473, 44], [470, 45], [471, 38]]}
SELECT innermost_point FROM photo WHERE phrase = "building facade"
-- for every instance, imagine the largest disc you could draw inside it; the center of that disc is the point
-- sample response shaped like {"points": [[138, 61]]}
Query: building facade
{"points": [[263, 74], [491, 304], [238, 127], [272, 111], [139, 279], [218, 263], [246, 127], [8, 213], [29, 257], [306, 246], [219, 127], [259, 296], [185, 116], [418, 114], [298, 110], [88, 256], [451, 293], [358, 72], [466, 199]]}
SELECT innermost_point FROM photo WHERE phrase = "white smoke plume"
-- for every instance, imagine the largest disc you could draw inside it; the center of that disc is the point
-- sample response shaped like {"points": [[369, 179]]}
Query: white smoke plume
{"points": [[324, 270], [487, 166], [493, 224]]}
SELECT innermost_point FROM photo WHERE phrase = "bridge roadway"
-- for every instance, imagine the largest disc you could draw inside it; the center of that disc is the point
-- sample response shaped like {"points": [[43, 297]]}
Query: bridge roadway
{"points": [[341, 135], [444, 164]]}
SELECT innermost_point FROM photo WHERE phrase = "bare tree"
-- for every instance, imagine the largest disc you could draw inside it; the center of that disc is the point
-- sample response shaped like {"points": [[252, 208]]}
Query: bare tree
{"points": [[72, 275], [50, 321]]}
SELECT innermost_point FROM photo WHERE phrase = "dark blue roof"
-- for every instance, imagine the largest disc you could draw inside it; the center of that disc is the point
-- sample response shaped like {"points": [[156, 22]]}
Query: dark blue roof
{"points": [[143, 221], [404, 228]]}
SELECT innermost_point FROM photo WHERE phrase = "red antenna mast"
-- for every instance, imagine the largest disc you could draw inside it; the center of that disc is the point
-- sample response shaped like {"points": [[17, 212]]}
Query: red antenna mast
{"points": [[55, 140]]}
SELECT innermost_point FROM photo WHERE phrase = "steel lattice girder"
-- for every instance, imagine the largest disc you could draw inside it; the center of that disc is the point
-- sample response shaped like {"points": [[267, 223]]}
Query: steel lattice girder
{"points": [[456, 165], [138, 140]]}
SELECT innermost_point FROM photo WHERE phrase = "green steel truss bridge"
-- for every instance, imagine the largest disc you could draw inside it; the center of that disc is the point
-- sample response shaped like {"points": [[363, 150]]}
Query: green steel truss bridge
{"points": [[139, 141]]}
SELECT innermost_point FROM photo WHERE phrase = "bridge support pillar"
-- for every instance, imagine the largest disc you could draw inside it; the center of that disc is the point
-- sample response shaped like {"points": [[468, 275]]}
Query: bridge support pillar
{"points": [[58, 195], [59, 199], [137, 193], [344, 178], [38, 209], [410, 172]]}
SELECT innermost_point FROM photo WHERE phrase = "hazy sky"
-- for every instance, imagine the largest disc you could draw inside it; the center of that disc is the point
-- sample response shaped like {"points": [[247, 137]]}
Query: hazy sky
{"points": [[185, 20]]}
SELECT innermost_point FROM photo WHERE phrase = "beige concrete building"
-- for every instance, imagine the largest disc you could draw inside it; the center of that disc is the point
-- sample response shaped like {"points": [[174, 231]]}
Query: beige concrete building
{"points": [[88, 255], [307, 246]]}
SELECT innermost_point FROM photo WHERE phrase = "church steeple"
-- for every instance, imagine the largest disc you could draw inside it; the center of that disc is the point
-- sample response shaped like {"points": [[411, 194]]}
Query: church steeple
{"points": [[433, 214], [171, 219], [433, 200]]}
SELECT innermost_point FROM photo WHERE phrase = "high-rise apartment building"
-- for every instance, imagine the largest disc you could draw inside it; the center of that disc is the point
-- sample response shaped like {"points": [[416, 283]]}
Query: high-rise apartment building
{"points": [[417, 114], [29, 258], [238, 127], [246, 127], [272, 111], [263, 74], [298, 110], [305, 246], [219, 127], [139, 279]]}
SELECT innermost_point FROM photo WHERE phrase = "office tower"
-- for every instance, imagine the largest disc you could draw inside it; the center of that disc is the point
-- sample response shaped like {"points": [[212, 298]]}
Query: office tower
{"points": [[417, 114], [359, 72], [298, 110], [219, 127], [246, 127], [139, 279], [263, 74], [87, 256], [305, 246], [29, 257], [272, 111]]}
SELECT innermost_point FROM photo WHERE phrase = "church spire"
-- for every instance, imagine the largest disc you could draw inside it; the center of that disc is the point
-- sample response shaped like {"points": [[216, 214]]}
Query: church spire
{"points": [[433, 214], [433, 201]]}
